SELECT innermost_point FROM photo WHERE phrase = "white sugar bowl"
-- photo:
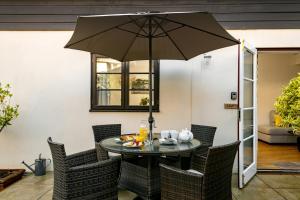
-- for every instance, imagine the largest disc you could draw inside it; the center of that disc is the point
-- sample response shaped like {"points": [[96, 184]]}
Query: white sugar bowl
{"points": [[185, 135]]}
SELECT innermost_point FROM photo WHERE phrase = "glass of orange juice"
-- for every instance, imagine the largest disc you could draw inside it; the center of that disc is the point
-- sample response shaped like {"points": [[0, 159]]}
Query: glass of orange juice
{"points": [[143, 130]]}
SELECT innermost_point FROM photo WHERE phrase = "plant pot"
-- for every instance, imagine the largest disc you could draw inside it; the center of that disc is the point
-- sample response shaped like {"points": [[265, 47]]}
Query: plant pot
{"points": [[298, 143]]}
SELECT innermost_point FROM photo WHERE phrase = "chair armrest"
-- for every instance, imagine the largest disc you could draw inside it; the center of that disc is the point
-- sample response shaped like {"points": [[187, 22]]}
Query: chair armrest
{"points": [[198, 162], [81, 158], [101, 153], [97, 165], [102, 174], [99, 169], [180, 184], [203, 149]]}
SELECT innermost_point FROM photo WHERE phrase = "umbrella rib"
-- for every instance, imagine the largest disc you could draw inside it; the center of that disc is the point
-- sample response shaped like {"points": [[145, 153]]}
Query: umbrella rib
{"points": [[138, 33], [160, 24], [135, 22], [128, 31], [173, 29], [171, 39], [95, 34], [192, 27]]}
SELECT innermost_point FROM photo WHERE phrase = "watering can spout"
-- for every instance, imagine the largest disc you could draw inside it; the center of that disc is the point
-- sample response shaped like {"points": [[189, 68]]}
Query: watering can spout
{"points": [[39, 166], [28, 166]]}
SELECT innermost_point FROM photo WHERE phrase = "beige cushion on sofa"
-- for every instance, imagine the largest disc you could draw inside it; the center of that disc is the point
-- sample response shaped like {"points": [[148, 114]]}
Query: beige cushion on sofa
{"points": [[272, 130]]}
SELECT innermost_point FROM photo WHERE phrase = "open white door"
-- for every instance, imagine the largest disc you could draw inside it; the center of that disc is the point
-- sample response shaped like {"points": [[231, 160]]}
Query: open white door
{"points": [[247, 113]]}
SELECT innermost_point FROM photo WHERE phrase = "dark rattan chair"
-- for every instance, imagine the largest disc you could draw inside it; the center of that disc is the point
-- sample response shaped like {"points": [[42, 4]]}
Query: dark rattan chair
{"points": [[128, 162], [104, 131], [138, 177], [81, 176], [205, 134], [214, 183]]}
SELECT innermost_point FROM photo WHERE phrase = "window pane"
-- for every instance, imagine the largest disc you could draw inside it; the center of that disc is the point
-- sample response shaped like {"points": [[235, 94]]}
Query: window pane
{"points": [[248, 94], [108, 65], [108, 81], [140, 98], [248, 123], [140, 81], [141, 66], [248, 65], [248, 153], [109, 98]]}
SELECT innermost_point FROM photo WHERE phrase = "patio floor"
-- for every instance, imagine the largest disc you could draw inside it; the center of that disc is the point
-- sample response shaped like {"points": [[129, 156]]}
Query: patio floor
{"points": [[262, 187]]}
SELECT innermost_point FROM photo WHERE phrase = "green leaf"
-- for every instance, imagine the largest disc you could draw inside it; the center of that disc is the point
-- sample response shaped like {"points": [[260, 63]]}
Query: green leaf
{"points": [[287, 105], [8, 112]]}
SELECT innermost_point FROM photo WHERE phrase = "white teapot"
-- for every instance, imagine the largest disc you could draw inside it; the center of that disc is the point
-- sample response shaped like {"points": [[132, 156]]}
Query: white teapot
{"points": [[185, 135]]}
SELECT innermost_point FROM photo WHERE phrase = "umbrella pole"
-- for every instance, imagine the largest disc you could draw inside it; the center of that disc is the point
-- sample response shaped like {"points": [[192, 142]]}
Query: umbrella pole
{"points": [[150, 119]]}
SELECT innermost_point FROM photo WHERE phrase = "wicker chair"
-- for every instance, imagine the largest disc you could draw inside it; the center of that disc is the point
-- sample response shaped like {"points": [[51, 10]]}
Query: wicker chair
{"points": [[81, 176], [214, 183], [104, 131], [205, 134]]}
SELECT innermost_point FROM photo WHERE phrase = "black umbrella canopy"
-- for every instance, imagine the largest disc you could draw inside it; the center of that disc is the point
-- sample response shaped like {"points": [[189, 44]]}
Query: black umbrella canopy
{"points": [[125, 37], [148, 36]]}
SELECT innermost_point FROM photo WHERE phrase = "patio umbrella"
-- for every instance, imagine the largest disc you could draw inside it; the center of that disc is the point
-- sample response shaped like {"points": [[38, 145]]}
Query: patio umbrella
{"points": [[150, 36]]}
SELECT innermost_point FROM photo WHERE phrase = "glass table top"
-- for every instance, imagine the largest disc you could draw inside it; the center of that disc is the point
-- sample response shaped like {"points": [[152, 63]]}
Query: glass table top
{"points": [[111, 145]]}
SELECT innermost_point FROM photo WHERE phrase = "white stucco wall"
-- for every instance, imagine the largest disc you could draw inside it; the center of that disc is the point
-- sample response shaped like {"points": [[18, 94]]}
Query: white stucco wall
{"points": [[212, 84], [211, 88], [52, 86]]}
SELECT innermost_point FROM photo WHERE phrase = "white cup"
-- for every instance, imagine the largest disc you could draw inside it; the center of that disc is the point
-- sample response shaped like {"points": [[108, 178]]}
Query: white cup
{"points": [[164, 134], [174, 134]]}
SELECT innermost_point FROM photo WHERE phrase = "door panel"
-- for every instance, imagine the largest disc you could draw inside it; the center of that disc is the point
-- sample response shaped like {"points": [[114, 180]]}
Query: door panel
{"points": [[247, 109]]}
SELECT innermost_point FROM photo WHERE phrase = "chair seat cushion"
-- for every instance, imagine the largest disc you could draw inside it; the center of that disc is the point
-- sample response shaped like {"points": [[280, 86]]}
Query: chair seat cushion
{"points": [[272, 130]]}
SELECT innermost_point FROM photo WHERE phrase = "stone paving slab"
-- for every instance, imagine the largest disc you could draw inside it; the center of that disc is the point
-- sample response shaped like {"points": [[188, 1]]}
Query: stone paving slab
{"points": [[289, 194], [261, 187], [280, 181]]}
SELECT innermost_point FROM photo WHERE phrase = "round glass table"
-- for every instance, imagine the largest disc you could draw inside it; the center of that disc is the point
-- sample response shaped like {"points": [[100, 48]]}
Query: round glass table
{"points": [[112, 144], [141, 174]]}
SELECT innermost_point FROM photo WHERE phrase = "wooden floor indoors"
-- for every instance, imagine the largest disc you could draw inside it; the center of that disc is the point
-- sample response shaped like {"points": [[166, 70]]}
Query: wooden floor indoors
{"points": [[278, 156]]}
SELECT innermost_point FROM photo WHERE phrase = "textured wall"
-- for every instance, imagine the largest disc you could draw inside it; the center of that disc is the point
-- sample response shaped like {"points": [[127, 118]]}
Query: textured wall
{"points": [[52, 86], [232, 14]]}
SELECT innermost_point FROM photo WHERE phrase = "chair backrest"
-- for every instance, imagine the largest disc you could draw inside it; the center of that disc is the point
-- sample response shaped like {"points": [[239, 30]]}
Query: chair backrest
{"points": [[205, 134], [218, 172], [104, 131], [58, 155]]}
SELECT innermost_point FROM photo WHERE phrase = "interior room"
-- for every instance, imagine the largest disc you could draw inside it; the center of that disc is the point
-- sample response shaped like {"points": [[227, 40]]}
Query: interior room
{"points": [[277, 146]]}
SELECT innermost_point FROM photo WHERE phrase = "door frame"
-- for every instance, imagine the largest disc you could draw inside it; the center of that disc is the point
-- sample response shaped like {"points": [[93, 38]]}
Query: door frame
{"points": [[252, 168], [277, 49]]}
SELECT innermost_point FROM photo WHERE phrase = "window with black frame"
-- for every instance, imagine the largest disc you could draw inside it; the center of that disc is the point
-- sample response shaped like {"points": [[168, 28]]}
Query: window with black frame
{"points": [[123, 86]]}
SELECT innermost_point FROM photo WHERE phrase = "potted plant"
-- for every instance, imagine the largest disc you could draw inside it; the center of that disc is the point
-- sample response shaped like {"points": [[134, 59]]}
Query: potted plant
{"points": [[287, 106], [8, 112]]}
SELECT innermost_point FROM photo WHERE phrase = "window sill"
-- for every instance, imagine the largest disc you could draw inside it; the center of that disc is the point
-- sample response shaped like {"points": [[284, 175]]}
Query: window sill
{"points": [[123, 110]]}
